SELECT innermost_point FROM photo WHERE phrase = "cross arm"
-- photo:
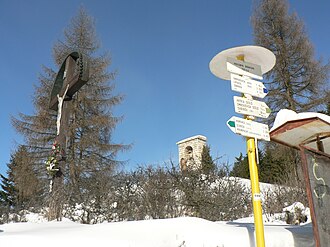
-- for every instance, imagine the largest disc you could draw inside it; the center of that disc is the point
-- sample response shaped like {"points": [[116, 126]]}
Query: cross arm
{"points": [[73, 72]]}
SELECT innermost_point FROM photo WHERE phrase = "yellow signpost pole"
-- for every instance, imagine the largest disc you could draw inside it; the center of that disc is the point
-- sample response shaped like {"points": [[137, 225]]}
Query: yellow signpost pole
{"points": [[228, 65], [256, 198]]}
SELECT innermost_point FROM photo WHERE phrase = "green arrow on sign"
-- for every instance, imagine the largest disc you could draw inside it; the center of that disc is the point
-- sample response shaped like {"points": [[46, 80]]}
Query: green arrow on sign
{"points": [[231, 123]]}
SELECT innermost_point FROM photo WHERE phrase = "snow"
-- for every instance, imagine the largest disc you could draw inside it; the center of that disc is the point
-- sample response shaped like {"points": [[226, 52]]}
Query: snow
{"points": [[285, 115], [297, 205], [184, 232], [35, 218], [176, 232]]}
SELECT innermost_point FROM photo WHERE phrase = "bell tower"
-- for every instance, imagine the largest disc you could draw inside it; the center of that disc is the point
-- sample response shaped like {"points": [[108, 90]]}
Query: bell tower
{"points": [[190, 152]]}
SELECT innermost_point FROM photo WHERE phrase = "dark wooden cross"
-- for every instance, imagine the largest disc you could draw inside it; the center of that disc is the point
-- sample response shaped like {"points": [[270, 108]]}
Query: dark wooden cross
{"points": [[73, 74]]}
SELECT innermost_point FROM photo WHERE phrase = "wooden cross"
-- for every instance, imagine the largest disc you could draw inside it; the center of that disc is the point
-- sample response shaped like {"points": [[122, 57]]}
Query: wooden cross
{"points": [[73, 74]]}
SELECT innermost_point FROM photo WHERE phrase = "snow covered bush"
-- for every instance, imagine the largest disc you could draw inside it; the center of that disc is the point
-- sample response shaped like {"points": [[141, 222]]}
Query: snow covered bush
{"points": [[159, 193], [85, 214], [212, 197], [296, 214], [24, 216], [276, 197]]}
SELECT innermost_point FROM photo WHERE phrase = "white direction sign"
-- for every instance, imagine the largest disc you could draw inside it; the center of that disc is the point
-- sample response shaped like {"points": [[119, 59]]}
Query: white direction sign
{"points": [[244, 68], [244, 84], [248, 128], [251, 107]]}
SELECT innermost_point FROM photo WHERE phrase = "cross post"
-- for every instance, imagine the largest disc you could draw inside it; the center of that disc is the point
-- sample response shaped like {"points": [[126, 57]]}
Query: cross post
{"points": [[72, 75]]}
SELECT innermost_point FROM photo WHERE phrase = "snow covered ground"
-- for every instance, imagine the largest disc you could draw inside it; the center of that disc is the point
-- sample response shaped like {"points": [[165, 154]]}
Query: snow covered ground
{"points": [[178, 232]]}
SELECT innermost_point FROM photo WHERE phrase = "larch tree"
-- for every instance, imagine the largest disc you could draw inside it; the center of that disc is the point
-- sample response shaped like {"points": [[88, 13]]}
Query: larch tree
{"points": [[298, 81], [90, 151]]}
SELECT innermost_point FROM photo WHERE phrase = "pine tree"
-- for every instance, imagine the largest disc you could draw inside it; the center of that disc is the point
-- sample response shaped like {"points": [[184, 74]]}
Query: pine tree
{"points": [[7, 192], [327, 109], [241, 167], [207, 163], [90, 149], [273, 169]]}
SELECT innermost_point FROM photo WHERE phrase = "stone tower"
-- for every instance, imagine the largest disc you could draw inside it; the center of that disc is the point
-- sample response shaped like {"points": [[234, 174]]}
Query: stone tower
{"points": [[190, 152]]}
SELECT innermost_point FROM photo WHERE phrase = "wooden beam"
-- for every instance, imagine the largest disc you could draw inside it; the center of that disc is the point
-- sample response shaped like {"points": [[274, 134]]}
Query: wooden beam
{"points": [[74, 71]]}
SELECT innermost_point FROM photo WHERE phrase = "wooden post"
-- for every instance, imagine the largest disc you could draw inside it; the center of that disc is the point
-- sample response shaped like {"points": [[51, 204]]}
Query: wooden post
{"points": [[57, 194], [310, 197], [73, 74]]}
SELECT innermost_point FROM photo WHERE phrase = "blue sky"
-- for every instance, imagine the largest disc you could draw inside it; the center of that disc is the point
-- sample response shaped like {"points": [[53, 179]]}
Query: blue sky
{"points": [[161, 50]]}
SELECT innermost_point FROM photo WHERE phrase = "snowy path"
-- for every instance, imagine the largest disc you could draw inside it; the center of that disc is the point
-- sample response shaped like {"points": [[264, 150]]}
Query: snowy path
{"points": [[183, 232]]}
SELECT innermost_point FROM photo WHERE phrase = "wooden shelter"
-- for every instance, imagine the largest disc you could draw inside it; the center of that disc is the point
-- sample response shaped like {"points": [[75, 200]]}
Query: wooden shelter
{"points": [[310, 133]]}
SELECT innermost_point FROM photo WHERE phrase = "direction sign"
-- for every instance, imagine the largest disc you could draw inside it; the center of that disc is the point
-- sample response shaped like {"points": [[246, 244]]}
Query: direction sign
{"points": [[251, 107], [244, 84], [244, 68], [248, 128]]}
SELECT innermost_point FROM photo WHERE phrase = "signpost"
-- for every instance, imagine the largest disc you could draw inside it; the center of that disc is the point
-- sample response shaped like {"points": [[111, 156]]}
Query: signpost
{"points": [[248, 128], [243, 84], [259, 60], [251, 107]]}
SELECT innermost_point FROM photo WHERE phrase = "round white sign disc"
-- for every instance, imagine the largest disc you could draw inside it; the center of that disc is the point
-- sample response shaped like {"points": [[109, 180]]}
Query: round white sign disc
{"points": [[252, 54]]}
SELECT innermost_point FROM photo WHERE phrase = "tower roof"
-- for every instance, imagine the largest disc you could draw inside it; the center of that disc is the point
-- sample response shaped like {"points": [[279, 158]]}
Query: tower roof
{"points": [[201, 137]]}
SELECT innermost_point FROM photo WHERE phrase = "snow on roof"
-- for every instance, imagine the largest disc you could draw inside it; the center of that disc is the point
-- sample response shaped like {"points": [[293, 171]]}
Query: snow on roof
{"points": [[201, 137], [285, 115], [308, 129]]}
